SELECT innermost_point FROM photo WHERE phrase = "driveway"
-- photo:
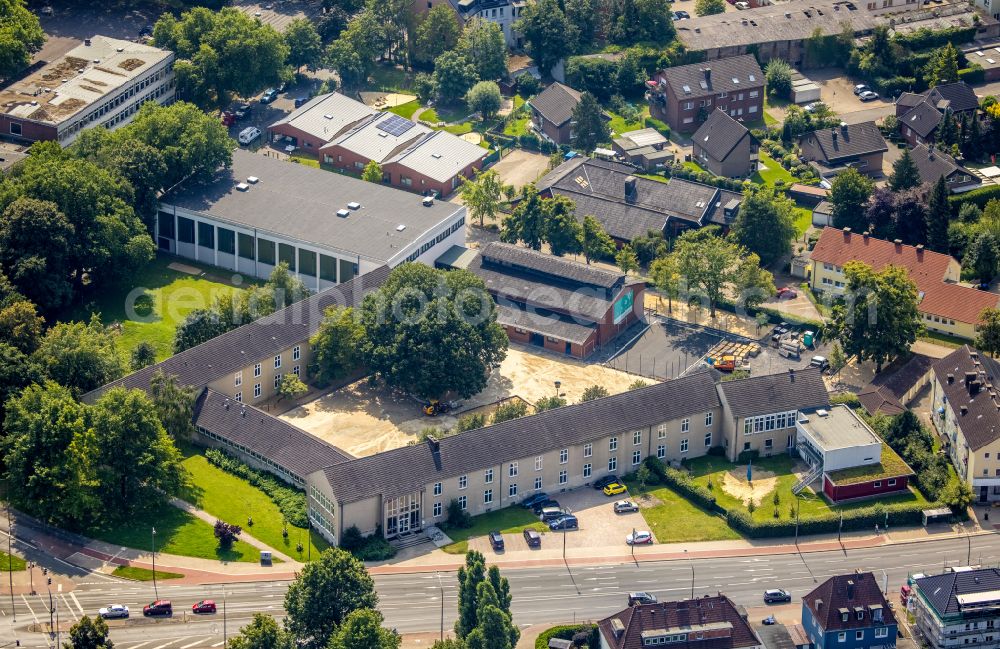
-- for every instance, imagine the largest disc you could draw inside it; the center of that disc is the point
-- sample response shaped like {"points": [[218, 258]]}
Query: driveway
{"points": [[800, 305], [279, 13], [519, 167]]}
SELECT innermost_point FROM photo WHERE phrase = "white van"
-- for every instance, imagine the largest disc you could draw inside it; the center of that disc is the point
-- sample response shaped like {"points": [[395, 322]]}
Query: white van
{"points": [[248, 135]]}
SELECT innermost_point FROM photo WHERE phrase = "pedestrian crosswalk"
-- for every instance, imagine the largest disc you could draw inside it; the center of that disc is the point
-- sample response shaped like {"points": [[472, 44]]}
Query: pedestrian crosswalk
{"points": [[185, 642]]}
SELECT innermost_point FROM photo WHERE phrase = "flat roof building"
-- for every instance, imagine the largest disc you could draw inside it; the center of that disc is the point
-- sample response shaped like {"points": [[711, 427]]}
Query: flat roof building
{"points": [[99, 83]]}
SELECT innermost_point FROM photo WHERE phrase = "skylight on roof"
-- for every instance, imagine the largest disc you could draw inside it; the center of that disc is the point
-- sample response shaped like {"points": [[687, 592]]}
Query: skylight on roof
{"points": [[687, 90], [735, 80], [990, 61], [753, 78], [980, 53], [704, 84]]}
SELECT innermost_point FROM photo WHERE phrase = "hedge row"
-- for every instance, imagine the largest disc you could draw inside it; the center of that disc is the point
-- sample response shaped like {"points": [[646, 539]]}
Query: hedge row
{"points": [[367, 548], [972, 74], [978, 196], [568, 632], [682, 483], [291, 501], [858, 519]]}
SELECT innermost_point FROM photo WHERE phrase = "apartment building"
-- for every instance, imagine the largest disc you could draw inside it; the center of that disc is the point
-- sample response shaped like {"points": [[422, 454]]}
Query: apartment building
{"points": [[960, 608], [725, 147], [99, 83], [685, 96], [849, 612], [709, 622]]}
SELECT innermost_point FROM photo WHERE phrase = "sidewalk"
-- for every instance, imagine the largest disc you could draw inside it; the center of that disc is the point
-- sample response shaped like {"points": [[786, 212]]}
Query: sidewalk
{"points": [[244, 536]]}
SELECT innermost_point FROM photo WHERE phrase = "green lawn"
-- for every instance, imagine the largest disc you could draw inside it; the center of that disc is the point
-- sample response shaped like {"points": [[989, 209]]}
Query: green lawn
{"points": [[942, 339], [232, 499], [11, 563], [386, 78], [430, 115], [174, 294], [803, 219], [517, 126], [406, 110], [142, 574], [618, 125], [177, 532], [305, 159], [510, 520], [459, 129], [674, 519], [693, 166], [773, 172]]}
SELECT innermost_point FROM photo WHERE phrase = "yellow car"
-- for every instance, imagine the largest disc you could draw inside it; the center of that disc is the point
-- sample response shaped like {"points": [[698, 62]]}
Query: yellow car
{"points": [[614, 489]]}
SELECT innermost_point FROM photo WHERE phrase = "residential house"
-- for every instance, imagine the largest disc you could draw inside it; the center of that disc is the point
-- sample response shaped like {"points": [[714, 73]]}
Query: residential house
{"points": [[710, 622], [504, 13], [645, 148], [849, 612], [933, 164], [944, 305], [552, 112], [966, 410], [630, 206], [685, 96], [725, 147], [896, 385], [920, 114], [561, 305], [959, 608], [822, 214], [833, 150], [102, 82]]}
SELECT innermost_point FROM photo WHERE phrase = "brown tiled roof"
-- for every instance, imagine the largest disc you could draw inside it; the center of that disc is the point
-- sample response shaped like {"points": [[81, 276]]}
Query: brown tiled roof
{"points": [[711, 622], [981, 422], [836, 593], [880, 399], [927, 269]]}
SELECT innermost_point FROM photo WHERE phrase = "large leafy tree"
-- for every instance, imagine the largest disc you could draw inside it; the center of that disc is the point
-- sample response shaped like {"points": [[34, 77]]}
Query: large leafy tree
{"points": [[454, 75], [484, 619], [634, 21], [849, 193], [431, 332], [363, 629], [880, 320], [988, 338], [905, 174], [484, 98], [174, 404], [527, 222], [765, 223], [943, 66], [982, 257], [437, 33], [336, 345], [778, 78], [262, 633], [304, 44], [711, 265], [20, 37], [563, 232], [909, 219], [81, 357], [17, 371], [880, 214], [666, 275], [230, 51], [353, 54], [89, 633], [483, 195], [548, 34], [590, 127], [483, 45], [596, 242], [709, 7], [938, 215], [587, 17], [324, 594], [470, 576], [35, 240], [21, 326]]}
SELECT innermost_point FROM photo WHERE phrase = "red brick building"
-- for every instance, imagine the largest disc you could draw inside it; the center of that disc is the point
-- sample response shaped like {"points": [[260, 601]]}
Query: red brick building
{"points": [[685, 96]]}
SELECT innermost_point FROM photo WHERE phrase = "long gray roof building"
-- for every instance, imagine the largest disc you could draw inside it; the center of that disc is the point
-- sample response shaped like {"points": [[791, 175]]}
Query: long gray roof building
{"points": [[760, 395]]}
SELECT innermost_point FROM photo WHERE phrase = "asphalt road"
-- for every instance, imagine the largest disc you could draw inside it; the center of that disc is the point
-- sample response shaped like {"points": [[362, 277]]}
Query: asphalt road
{"points": [[412, 603]]}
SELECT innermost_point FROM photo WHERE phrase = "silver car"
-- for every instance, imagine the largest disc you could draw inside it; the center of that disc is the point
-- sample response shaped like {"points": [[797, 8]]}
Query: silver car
{"points": [[114, 611]]}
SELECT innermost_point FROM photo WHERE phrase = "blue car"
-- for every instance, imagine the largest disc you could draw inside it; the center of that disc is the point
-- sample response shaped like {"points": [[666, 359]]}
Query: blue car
{"points": [[534, 499], [567, 522]]}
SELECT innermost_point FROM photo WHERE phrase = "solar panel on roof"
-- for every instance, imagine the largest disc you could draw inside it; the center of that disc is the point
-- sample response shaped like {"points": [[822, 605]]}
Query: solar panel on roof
{"points": [[395, 125]]}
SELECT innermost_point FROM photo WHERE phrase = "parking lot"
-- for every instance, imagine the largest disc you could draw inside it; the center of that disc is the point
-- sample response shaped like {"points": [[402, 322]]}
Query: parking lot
{"points": [[600, 526]]}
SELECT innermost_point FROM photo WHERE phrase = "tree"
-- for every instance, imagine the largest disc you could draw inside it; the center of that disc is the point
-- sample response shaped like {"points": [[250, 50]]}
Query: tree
{"points": [[17, 371], [21, 326], [431, 332], [881, 320], [324, 594], [849, 192], [549, 403], [35, 251], [513, 409], [470, 576], [305, 47], [590, 128], [765, 223], [988, 336], [470, 421], [262, 633], [596, 242], [423, 83], [880, 215], [910, 217], [174, 404], [710, 264], [227, 534], [353, 54], [454, 75], [548, 35], [437, 33], [291, 387], [484, 98], [229, 51], [666, 275], [957, 495], [750, 281], [143, 355], [709, 7], [982, 258], [633, 21], [526, 224], [20, 37], [89, 634], [626, 259], [778, 78], [363, 629], [484, 194], [905, 174], [594, 392], [336, 345], [372, 172], [563, 232], [943, 66], [586, 18], [482, 44], [938, 215], [837, 359], [82, 357]]}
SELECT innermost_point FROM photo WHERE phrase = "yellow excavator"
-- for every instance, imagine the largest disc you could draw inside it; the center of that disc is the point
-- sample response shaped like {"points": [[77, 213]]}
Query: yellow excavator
{"points": [[435, 407]]}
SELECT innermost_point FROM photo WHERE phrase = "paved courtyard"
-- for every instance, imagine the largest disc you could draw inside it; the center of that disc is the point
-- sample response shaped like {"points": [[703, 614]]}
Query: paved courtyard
{"points": [[519, 167]]}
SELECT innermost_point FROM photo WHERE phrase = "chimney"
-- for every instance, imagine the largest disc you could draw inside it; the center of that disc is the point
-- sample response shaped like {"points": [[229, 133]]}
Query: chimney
{"points": [[920, 252], [226, 404], [434, 444], [630, 189], [843, 128], [964, 410], [951, 379], [791, 375], [865, 235], [708, 75], [833, 134], [819, 604], [899, 244], [847, 234], [850, 589], [974, 388], [969, 378]]}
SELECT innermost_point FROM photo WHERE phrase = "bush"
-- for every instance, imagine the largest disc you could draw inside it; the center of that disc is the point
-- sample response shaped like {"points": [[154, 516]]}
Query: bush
{"points": [[290, 500], [366, 548], [662, 127], [848, 399], [858, 519], [892, 86], [227, 534], [528, 85], [528, 141], [972, 74], [978, 197], [569, 632], [458, 517], [746, 456]]}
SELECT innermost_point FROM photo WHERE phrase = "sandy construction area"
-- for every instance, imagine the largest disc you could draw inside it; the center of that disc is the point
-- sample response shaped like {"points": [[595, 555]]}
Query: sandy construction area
{"points": [[734, 483], [364, 420]]}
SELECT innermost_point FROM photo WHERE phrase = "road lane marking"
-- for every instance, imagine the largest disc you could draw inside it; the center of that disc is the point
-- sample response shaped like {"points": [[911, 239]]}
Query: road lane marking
{"points": [[77, 602], [196, 642], [67, 604], [30, 610], [141, 644], [167, 644], [219, 643]]}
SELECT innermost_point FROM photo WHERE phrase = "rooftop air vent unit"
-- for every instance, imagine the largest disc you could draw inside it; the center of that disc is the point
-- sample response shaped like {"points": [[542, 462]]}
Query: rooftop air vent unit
{"points": [[822, 413], [343, 213], [436, 156], [253, 180], [354, 205], [427, 201], [242, 187], [400, 227], [119, 49], [327, 116], [97, 60]]}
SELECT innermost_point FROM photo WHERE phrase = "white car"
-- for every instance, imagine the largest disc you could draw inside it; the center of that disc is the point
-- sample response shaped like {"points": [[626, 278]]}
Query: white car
{"points": [[868, 95], [740, 6], [248, 135], [639, 538], [114, 611]]}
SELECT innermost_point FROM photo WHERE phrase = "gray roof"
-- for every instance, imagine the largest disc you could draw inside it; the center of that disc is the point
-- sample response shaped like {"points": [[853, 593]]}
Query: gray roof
{"points": [[981, 422], [932, 164], [314, 196], [556, 103], [922, 118], [834, 145], [258, 432], [369, 141], [258, 340], [719, 135], [440, 156], [847, 592], [550, 324], [545, 264], [959, 96], [326, 116], [404, 470], [725, 75], [760, 395], [941, 591]]}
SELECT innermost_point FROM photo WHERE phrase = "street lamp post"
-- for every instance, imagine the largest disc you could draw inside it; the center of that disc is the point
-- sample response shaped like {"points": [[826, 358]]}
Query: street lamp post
{"points": [[225, 635], [31, 575], [156, 592], [558, 385], [968, 557], [10, 557], [797, 520]]}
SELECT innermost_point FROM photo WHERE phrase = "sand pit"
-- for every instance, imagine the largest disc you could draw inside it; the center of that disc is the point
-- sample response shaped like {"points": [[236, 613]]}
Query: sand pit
{"points": [[734, 483]]}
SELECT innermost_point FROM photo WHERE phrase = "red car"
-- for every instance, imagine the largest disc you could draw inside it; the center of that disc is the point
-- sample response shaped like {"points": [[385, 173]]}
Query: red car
{"points": [[159, 607], [786, 293], [204, 606]]}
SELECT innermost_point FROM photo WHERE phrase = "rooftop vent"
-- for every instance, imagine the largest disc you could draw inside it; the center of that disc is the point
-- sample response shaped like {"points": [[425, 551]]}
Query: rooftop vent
{"points": [[427, 201], [86, 42], [253, 180], [400, 227], [97, 60], [242, 187], [436, 156], [328, 116], [354, 205], [822, 412], [343, 213]]}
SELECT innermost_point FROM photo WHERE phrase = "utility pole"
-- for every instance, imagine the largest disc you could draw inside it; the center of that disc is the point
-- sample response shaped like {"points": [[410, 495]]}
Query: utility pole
{"points": [[632, 544], [225, 635], [968, 557], [10, 556], [156, 593], [441, 589], [797, 520]]}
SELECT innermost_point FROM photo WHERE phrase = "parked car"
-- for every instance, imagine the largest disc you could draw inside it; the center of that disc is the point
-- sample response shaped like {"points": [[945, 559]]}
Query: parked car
{"points": [[496, 540], [740, 6], [551, 513], [532, 538], [614, 489], [680, 15], [113, 611], [248, 135], [605, 481], [820, 362], [777, 595], [301, 101], [243, 111], [160, 607], [868, 95], [641, 598], [769, 620], [625, 506], [860, 88], [269, 95], [567, 522], [786, 293], [640, 537], [542, 504], [532, 500], [204, 606]]}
